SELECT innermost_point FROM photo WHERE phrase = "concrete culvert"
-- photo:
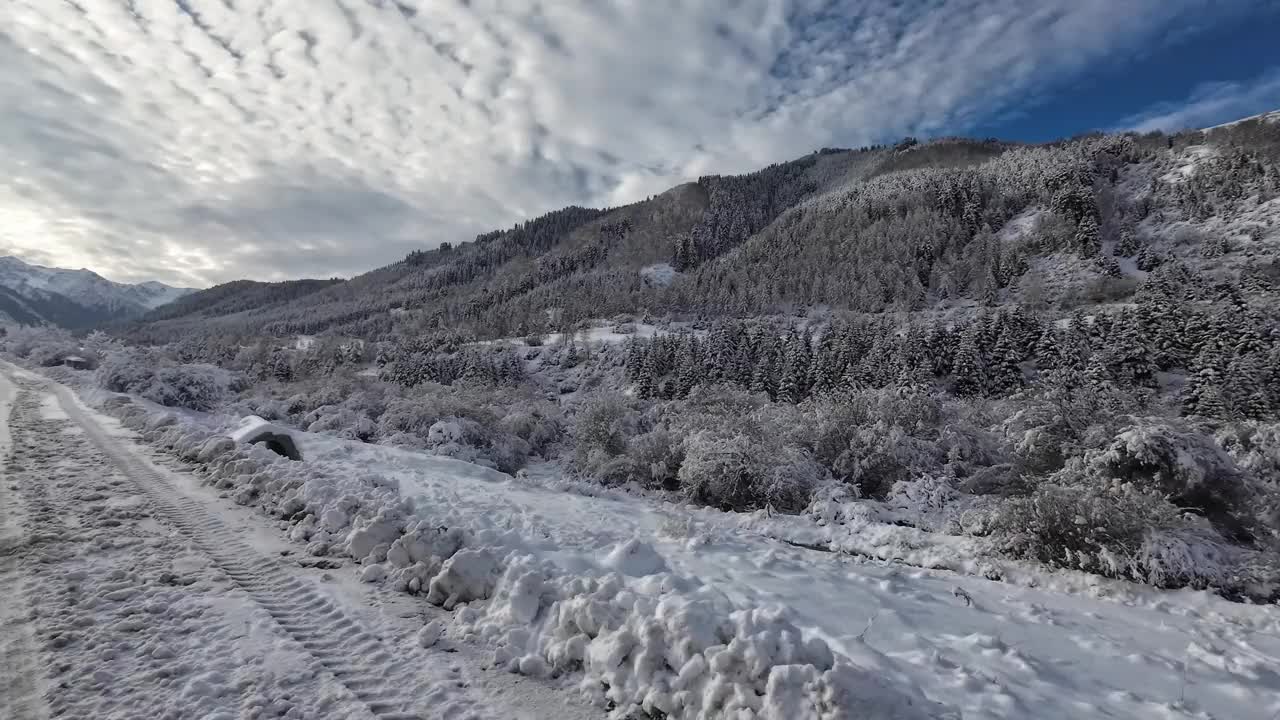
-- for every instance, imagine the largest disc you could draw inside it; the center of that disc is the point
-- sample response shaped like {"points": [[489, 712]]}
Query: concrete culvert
{"points": [[256, 431]]}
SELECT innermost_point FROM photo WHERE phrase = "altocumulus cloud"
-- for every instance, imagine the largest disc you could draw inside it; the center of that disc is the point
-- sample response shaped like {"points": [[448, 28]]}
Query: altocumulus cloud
{"points": [[197, 141]]}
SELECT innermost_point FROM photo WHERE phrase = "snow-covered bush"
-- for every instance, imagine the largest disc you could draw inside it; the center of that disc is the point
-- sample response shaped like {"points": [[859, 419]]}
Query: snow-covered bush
{"points": [[736, 471], [341, 422], [195, 387], [1255, 448], [125, 371], [657, 456], [45, 347], [873, 439], [144, 373], [1188, 467], [1083, 526], [875, 457], [539, 424], [604, 424]]}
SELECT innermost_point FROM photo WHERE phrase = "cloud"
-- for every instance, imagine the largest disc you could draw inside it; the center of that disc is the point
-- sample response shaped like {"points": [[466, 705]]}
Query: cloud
{"points": [[1211, 104], [198, 141]]}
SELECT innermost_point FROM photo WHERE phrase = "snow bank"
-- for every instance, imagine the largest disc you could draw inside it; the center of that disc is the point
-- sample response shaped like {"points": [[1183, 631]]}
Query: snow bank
{"points": [[640, 636], [662, 646]]}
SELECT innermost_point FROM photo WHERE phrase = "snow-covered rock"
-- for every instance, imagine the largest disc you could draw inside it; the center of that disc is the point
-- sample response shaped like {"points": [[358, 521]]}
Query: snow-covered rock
{"points": [[468, 575]]}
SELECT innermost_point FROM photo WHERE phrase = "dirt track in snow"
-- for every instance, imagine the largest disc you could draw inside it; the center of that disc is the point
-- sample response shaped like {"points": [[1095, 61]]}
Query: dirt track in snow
{"points": [[122, 594]]}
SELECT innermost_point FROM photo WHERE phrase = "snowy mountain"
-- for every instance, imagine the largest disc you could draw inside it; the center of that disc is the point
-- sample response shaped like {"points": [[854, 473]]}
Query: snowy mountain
{"points": [[34, 294], [914, 226]]}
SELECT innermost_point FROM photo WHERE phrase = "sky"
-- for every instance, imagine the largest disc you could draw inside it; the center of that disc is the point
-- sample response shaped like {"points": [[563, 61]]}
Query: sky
{"points": [[200, 141]]}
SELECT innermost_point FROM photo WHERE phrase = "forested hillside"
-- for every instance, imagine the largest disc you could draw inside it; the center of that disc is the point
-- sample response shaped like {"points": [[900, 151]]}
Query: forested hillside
{"points": [[904, 228]]}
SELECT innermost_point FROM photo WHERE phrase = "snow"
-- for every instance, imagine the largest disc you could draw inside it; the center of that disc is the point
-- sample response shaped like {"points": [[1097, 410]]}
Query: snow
{"points": [[1272, 117], [602, 331], [159, 599], [584, 579], [659, 275], [1187, 163], [253, 426], [1020, 226], [639, 604]]}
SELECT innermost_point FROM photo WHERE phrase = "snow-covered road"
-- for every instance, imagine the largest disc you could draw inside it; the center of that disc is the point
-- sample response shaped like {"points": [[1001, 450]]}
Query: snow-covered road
{"points": [[127, 591]]}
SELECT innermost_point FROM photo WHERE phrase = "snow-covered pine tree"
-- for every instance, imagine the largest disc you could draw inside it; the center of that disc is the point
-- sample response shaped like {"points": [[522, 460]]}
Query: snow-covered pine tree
{"points": [[688, 369], [940, 345], [637, 347], [1203, 393], [764, 378], [571, 356], [719, 354], [1088, 236], [1096, 372], [792, 385], [1246, 386], [281, 365], [1126, 352], [1004, 373], [742, 365], [1048, 353], [824, 374], [968, 374], [1128, 245], [647, 382]]}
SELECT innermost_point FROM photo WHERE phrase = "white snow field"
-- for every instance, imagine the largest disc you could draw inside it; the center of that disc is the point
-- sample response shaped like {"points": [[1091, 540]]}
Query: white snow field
{"points": [[369, 581]]}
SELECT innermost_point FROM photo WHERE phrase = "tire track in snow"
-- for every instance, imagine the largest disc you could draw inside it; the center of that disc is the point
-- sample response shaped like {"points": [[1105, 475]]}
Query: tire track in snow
{"points": [[20, 686], [21, 694], [357, 659]]}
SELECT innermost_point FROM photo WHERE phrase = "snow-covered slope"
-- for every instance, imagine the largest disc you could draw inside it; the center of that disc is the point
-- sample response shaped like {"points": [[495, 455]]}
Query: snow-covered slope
{"points": [[98, 298], [1273, 116]]}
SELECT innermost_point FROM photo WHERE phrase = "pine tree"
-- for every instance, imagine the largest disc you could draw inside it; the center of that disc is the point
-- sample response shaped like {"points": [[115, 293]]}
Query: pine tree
{"points": [[1087, 238], [647, 384], [1005, 374], [792, 385], [1246, 386], [968, 376], [742, 368], [940, 347], [281, 366], [1203, 393], [1127, 353], [764, 379], [1079, 341], [1128, 245], [1048, 355], [824, 370], [637, 348], [1096, 372], [571, 356], [688, 369]]}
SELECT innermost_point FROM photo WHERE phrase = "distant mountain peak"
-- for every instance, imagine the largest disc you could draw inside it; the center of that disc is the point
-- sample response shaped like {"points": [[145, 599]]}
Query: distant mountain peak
{"points": [[77, 298]]}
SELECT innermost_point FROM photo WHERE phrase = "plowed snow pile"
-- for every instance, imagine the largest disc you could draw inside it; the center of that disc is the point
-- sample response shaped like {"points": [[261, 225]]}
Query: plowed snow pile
{"points": [[690, 613]]}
